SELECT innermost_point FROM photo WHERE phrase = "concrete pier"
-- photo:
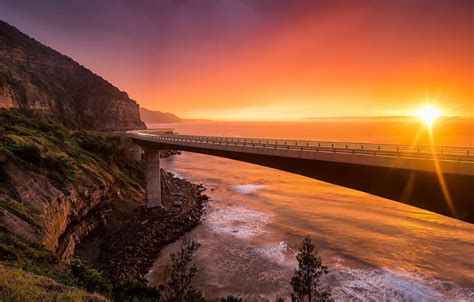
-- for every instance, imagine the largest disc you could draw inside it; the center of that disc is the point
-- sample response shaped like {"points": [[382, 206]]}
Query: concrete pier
{"points": [[153, 178], [137, 152]]}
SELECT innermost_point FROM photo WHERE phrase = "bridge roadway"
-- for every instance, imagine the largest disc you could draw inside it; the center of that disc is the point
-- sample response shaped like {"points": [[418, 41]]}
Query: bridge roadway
{"points": [[437, 179]]}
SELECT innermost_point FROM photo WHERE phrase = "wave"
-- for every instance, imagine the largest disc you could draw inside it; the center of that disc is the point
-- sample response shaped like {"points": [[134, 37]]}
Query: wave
{"points": [[383, 284], [247, 189], [237, 221]]}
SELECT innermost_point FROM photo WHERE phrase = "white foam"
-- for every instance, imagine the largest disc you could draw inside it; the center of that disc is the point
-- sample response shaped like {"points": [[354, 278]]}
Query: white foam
{"points": [[379, 284], [278, 253], [247, 189], [237, 221], [177, 175]]}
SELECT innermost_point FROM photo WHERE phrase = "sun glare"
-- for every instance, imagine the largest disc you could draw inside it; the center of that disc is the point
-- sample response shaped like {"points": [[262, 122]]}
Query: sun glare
{"points": [[428, 114]]}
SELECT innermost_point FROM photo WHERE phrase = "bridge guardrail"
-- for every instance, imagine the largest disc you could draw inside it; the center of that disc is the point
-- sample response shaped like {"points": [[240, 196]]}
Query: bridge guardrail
{"points": [[351, 145], [405, 151]]}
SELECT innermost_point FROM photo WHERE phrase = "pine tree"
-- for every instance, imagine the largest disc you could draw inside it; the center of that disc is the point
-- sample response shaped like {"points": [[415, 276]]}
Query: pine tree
{"points": [[178, 286], [306, 279]]}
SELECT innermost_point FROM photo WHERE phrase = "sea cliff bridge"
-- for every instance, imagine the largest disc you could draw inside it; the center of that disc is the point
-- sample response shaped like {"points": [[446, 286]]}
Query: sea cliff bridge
{"points": [[438, 179]]}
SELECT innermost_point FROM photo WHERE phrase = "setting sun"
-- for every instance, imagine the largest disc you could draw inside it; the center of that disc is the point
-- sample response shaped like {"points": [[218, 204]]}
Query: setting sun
{"points": [[428, 114]]}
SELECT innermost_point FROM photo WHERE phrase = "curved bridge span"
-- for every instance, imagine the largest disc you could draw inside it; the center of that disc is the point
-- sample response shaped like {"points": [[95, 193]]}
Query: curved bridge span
{"points": [[437, 179]]}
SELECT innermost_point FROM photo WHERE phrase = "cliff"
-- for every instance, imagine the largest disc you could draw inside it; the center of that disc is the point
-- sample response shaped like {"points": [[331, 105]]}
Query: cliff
{"points": [[56, 184], [152, 116], [40, 81]]}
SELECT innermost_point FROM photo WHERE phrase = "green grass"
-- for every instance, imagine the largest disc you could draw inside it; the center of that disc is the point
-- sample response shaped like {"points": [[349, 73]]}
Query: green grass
{"points": [[18, 285], [75, 274], [60, 275]]}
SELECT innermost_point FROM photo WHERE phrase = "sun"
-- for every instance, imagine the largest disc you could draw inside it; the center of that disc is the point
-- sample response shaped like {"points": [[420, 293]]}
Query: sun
{"points": [[428, 114]]}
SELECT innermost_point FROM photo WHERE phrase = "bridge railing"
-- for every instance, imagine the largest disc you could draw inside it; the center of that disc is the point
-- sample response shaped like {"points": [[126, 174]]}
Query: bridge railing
{"points": [[405, 151]]}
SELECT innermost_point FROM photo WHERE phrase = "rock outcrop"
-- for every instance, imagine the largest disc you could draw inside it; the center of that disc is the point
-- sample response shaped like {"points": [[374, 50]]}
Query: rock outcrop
{"points": [[66, 215], [42, 82]]}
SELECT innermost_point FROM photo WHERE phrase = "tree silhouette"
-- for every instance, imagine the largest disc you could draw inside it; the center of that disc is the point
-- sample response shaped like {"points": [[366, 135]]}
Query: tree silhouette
{"points": [[178, 286], [306, 279]]}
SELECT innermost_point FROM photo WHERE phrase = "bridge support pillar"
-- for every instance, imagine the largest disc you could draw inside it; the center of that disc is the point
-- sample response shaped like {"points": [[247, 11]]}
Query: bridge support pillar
{"points": [[153, 178], [136, 152]]}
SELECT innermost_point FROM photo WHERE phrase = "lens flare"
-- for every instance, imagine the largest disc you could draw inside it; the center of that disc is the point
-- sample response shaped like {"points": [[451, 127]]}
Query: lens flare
{"points": [[428, 114]]}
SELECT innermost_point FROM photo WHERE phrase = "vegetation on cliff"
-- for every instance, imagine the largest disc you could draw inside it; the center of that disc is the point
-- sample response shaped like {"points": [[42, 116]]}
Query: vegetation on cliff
{"points": [[62, 155], [52, 176], [55, 184]]}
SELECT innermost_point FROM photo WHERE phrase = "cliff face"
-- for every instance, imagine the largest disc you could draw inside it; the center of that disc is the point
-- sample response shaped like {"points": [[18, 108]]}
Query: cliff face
{"points": [[56, 184], [42, 82], [66, 215]]}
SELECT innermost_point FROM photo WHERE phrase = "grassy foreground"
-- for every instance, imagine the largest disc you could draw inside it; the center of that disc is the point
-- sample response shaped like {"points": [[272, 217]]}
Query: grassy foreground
{"points": [[18, 285]]}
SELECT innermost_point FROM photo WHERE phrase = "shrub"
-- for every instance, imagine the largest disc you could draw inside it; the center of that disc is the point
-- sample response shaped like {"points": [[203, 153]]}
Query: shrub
{"points": [[52, 127], [92, 143], [90, 279], [135, 291]]}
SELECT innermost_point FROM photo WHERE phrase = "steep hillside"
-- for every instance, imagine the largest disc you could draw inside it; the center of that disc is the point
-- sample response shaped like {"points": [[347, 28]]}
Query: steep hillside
{"points": [[56, 184], [42, 82], [152, 116]]}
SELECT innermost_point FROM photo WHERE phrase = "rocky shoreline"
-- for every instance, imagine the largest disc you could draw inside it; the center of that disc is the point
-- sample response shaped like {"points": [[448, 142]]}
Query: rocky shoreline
{"points": [[128, 252]]}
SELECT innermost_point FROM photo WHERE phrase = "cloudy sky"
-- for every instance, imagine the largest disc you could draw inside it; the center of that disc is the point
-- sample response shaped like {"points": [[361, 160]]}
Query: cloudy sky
{"points": [[267, 60]]}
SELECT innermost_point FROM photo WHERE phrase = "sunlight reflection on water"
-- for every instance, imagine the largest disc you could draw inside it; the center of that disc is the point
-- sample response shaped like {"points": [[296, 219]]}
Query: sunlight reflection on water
{"points": [[375, 248]]}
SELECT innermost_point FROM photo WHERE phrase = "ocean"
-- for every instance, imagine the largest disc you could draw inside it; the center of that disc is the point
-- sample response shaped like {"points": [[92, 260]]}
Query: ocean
{"points": [[376, 249]]}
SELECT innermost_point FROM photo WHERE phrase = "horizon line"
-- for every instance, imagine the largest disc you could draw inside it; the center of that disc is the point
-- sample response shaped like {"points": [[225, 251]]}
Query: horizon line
{"points": [[308, 119]]}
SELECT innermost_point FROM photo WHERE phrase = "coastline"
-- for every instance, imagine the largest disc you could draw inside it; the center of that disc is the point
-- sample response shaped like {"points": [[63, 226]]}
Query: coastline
{"points": [[129, 251]]}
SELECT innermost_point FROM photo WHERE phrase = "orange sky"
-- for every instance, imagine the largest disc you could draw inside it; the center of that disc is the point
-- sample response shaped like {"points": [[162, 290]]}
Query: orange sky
{"points": [[245, 60]]}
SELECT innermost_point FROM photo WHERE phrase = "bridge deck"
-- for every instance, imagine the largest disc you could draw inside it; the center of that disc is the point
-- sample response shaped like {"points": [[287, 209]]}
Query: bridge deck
{"points": [[437, 179], [449, 159]]}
